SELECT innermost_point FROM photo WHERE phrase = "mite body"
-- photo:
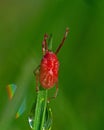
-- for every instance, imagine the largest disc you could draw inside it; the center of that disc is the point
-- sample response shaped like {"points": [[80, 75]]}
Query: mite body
{"points": [[47, 72]]}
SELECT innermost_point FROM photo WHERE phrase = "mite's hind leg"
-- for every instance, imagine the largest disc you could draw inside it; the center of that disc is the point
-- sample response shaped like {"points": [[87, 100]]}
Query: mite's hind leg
{"points": [[36, 73], [55, 94]]}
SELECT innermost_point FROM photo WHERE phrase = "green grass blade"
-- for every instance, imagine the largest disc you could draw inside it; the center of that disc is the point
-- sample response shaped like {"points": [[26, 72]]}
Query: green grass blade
{"points": [[40, 110]]}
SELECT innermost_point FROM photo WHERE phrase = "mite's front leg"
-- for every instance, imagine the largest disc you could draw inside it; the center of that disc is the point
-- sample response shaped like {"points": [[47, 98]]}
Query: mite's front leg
{"points": [[44, 44]]}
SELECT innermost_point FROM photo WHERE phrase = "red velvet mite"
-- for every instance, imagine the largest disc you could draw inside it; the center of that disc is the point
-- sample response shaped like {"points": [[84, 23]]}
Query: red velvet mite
{"points": [[47, 71]]}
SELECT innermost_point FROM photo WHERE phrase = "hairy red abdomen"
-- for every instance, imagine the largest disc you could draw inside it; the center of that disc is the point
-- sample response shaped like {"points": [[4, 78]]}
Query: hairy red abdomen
{"points": [[49, 70]]}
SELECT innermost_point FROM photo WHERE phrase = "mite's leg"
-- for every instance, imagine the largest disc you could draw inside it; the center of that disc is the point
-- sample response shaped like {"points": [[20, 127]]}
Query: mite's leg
{"points": [[62, 42], [50, 42], [36, 73], [44, 44], [56, 92], [55, 95]]}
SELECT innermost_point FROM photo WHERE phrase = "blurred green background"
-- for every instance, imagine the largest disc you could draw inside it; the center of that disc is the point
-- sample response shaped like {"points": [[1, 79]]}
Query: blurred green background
{"points": [[80, 101]]}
